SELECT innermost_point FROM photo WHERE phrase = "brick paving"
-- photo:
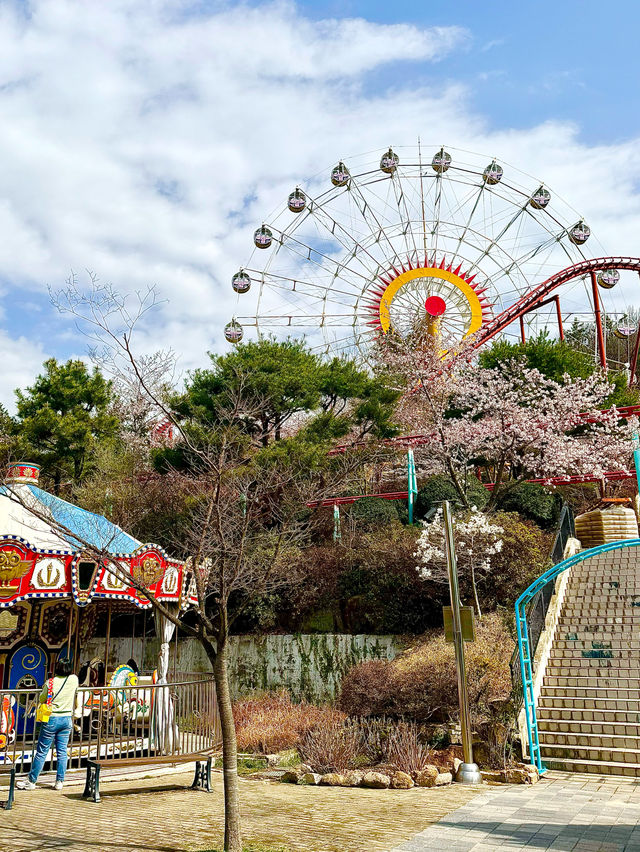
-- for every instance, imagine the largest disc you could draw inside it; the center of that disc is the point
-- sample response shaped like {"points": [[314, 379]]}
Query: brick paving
{"points": [[160, 815], [563, 812]]}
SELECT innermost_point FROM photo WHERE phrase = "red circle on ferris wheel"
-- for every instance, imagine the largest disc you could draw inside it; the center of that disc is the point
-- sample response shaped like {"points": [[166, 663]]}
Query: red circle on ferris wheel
{"points": [[435, 306]]}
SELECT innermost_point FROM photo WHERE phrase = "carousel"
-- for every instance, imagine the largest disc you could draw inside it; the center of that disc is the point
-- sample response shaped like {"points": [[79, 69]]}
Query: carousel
{"points": [[53, 592]]}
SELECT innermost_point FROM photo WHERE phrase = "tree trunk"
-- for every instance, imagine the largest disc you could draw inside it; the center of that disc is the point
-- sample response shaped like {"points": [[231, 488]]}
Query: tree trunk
{"points": [[475, 589], [232, 832]]}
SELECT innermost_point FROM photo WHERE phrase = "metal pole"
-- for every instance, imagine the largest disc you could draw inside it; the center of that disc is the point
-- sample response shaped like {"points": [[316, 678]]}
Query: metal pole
{"points": [[412, 485], [106, 649], [636, 457], [468, 772], [598, 318], [559, 315]]}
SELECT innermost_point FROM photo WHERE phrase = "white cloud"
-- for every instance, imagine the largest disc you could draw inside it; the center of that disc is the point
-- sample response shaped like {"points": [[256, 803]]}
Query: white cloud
{"points": [[146, 143], [21, 359]]}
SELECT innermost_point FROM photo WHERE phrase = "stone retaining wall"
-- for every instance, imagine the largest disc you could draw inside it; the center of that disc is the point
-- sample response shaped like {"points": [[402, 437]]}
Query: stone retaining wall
{"points": [[310, 666]]}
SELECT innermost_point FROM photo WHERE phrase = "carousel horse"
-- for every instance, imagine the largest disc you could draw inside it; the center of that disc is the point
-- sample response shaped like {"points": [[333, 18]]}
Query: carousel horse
{"points": [[119, 700], [88, 702], [7, 721]]}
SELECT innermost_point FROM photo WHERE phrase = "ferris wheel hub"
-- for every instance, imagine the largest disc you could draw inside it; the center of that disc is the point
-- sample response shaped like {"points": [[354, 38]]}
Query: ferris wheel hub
{"points": [[435, 306]]}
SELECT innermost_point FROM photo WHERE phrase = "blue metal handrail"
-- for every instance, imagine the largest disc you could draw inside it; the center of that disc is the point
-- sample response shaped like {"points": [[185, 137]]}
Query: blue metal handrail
{"points": [[526, 668]]}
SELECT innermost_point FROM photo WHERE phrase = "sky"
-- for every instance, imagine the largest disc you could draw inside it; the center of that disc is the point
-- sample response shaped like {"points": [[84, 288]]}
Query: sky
{"points": [[145, 141]]}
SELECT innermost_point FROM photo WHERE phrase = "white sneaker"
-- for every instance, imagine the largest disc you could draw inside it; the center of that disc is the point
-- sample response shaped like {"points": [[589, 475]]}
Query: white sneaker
{"points": [[57, 785], [25, 784]]}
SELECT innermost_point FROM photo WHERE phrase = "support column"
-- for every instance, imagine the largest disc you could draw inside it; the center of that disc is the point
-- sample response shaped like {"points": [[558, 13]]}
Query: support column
{"points": [[468, 772], [559, 315], [598, 317], [522, 337]]}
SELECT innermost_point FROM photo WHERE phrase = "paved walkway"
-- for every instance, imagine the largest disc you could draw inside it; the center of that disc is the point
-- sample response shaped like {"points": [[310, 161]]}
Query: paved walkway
{"points": [[161, 815], [563, 812]]}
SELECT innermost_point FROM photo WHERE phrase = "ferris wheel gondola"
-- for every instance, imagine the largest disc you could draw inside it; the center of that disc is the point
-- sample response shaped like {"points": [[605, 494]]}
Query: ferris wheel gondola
{"points": [[388, 238]]}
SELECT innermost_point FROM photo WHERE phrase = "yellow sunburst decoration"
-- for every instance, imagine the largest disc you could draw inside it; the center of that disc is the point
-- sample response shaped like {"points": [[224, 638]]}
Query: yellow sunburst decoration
{"points": [[434, 293]]}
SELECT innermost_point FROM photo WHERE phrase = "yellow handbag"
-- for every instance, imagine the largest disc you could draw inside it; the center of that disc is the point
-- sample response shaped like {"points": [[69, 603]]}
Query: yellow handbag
{"points": [[43, 711]]}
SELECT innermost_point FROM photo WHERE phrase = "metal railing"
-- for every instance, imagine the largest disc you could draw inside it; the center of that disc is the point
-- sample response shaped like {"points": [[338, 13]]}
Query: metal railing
{"points": [[537, 609], [145, 722]]}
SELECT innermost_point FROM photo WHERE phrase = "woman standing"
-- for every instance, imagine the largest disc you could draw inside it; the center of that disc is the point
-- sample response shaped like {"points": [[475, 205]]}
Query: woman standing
{"points": [[58, 729]]}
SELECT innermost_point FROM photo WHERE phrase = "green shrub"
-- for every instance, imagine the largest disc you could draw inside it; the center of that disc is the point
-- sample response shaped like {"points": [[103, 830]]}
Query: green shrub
{"points": [[439, 488], [373, 511], [533, 502]]}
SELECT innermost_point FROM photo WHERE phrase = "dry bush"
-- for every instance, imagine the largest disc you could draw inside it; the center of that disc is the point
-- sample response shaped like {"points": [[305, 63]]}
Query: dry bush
{"points": [[421, 683], [405, 750], [331, 748], [272, 722]]}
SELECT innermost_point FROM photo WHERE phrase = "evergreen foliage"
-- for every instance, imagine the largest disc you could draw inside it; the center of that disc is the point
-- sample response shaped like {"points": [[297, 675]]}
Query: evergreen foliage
{"points": [[63, 417], [438, 488], [533, 502]]}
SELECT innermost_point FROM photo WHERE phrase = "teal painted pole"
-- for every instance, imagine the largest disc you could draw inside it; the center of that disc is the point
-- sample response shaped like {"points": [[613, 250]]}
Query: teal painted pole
{"points": [[636, 457], [337, 530], [412, 485]]}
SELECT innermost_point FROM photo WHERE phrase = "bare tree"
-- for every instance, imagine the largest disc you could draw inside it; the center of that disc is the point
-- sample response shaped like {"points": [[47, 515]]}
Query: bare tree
{"points": [[249, 515]]}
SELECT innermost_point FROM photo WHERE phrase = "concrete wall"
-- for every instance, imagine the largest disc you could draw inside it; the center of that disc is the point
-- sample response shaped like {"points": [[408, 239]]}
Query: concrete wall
{"points": [[310, 666]]}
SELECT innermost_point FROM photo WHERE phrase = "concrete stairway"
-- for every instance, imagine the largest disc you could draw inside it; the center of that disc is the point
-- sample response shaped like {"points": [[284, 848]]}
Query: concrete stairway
{"points": [[589, 705]]}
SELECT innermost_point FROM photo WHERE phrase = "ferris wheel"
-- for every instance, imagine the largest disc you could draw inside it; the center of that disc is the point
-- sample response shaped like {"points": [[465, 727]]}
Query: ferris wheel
{"points": [[386, 241]]}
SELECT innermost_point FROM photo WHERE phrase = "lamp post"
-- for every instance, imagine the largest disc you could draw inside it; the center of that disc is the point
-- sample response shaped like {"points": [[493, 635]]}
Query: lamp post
{"points": [[468, 772]]}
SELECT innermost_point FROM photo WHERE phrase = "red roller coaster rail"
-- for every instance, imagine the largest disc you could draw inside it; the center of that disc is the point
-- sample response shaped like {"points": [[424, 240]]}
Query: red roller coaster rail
{"points": [[611, 476], [532, 300]]}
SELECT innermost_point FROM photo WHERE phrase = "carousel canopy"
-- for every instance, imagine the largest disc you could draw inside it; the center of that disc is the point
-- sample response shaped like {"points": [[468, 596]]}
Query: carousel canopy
{"points": [[45, 551]]}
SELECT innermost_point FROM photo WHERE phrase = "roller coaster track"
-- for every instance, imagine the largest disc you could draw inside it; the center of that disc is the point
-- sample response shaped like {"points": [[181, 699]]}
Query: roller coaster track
{"points": [[610, 476], [533, 299]]}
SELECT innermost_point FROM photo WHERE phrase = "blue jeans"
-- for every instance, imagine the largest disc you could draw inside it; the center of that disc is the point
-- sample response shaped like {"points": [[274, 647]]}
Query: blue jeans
{"points": [[57, 729]]}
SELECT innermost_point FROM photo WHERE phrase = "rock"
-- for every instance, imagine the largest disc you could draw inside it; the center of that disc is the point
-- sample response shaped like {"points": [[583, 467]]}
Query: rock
{"points": [[457, 763], [291, 776], [353, 778], [376, 780], [493, 776], [304, 767], [443, 778], [523, 774], [272, 759], [427, 777], [311, 778], [401, 781], [332, 779]]}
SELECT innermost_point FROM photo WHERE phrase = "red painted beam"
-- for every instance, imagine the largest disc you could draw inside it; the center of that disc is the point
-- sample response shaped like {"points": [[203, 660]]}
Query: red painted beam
{"points": [[611, 476], [537, 294]]}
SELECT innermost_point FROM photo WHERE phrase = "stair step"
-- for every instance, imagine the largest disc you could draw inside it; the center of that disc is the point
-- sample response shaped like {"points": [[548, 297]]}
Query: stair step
{"points": [[594, 659], [593, 681], [606, 742], [592, 766], [588, 729], [576, 752], [622, 646], [587, 715], [590, 694]]}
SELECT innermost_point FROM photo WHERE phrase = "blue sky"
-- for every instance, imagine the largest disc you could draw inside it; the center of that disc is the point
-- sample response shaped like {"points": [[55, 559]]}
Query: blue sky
{"points": [[144, 141], [525, 63]]}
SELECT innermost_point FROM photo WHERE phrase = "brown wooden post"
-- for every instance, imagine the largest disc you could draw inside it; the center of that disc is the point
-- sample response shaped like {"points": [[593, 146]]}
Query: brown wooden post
{"points": [[634, 360], [559, 314], [106, 650], [75, 643], [598, 317]]}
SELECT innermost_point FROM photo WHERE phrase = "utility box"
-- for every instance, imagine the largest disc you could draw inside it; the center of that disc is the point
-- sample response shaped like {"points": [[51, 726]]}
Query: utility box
{"points": [[467, 623]]}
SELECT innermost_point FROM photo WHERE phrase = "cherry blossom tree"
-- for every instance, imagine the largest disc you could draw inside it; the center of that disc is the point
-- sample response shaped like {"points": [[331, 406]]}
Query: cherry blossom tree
{"points": [[477, 540], [509, 421]]}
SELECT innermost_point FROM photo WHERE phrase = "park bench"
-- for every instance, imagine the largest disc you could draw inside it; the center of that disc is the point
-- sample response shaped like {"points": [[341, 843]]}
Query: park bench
{"points": [[11, 772], [201, 781]]}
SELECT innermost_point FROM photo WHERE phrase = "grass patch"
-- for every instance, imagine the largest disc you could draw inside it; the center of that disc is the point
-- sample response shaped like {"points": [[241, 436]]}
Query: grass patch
{"points": [[247, 765]]}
